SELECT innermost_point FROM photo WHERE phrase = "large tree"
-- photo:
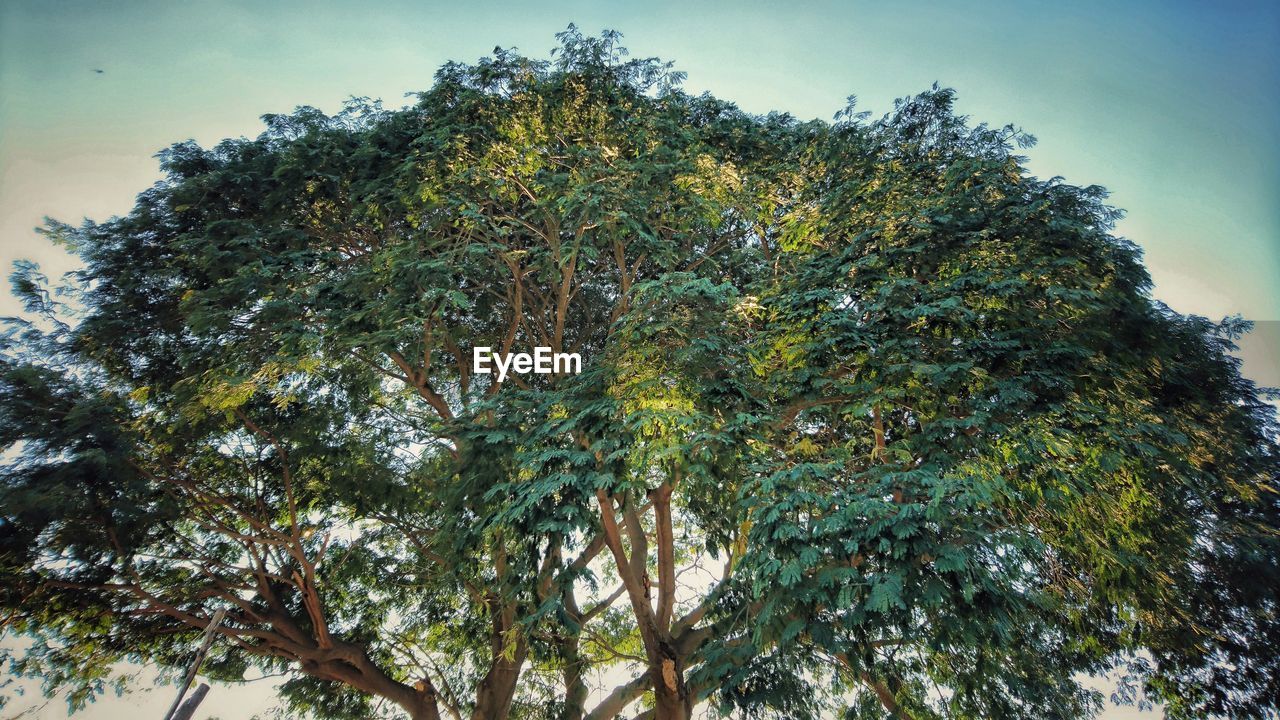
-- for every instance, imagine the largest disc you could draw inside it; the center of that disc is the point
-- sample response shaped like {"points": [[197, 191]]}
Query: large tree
{"points": [[870, 421]]}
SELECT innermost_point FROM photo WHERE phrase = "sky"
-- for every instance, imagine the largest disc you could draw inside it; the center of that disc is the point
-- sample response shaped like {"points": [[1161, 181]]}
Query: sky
{"points": [[1173, 106]]}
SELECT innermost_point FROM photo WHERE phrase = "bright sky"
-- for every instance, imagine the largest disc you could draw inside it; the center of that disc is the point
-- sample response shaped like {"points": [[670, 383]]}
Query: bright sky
{"points": [[1174, 106]]}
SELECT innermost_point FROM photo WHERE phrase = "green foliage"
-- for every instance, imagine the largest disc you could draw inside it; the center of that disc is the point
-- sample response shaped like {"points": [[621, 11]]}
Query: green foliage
{"points": [[917, 403]]}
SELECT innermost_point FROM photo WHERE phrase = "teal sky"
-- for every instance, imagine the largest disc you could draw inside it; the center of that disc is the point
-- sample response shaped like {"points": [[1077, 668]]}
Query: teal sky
{"points": [[1174, 106]]}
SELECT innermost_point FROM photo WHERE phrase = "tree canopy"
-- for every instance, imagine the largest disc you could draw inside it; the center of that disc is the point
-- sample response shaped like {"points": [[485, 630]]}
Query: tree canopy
{"points": [[871, 422]]}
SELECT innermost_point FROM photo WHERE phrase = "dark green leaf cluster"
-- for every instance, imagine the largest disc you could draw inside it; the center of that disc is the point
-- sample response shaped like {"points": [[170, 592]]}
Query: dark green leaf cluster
{"points": [[870, 422]]}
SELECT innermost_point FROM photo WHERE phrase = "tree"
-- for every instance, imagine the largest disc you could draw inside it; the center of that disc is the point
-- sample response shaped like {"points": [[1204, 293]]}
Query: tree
{"points": [[869, 421]]}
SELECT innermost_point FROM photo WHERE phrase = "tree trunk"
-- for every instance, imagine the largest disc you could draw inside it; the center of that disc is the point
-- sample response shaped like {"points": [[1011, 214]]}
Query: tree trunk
{"points": [[498, 688], [575, 686], [671, 696], [672, 700], [424, 709]]}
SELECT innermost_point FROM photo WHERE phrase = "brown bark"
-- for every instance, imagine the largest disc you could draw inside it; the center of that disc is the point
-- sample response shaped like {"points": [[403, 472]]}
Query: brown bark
{"points": [[878, 430], [498, 688], [672, 700], [886, 697], [622, 696], [666, 556], [882, 692], [575, 686], [350, 665]]}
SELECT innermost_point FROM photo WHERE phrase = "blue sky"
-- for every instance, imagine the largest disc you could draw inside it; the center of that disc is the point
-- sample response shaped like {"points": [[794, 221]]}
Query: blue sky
{"points": [[1174, 106]]}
